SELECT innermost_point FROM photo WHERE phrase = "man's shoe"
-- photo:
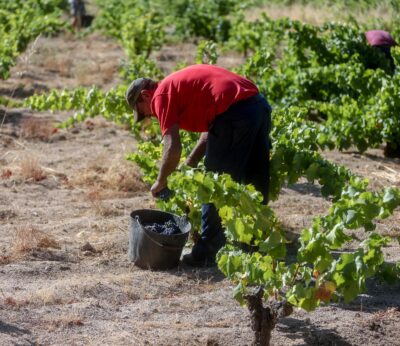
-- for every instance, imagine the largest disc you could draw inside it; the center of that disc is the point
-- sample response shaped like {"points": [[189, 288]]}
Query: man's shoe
{"points": [[203, 262]]}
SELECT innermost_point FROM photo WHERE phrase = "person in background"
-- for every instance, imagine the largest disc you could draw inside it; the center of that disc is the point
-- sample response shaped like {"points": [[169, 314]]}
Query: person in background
{"points": [[383, 41], [77, 11], [234, 120]]}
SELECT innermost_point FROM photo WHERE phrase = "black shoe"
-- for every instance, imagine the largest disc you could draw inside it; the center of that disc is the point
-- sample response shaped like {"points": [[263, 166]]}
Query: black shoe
{"points": [[203, 262]]}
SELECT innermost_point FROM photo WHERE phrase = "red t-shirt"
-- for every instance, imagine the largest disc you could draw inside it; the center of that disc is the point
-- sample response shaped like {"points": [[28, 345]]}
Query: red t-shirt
{"points": [[380, 38], [195, 95]]}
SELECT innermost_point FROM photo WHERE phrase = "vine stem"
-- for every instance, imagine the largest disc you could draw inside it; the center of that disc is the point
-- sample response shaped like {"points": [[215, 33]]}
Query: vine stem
{"points": [[295, 274]]}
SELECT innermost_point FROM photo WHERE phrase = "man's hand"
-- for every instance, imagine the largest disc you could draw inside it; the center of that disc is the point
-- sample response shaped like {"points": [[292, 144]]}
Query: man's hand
{"points": [[157, 187]]}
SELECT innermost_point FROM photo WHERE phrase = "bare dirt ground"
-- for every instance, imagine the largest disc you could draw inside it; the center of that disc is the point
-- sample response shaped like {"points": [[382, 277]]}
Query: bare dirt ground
{"points": [[65, 200]]}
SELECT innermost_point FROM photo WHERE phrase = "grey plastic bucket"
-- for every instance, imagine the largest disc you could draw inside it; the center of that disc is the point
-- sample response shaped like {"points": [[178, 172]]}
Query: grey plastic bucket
{"points": [[151, 250]]}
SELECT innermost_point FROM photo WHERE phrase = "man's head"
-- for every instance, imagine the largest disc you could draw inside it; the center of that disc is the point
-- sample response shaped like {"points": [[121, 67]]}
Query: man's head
{"points": [[138, 96]]}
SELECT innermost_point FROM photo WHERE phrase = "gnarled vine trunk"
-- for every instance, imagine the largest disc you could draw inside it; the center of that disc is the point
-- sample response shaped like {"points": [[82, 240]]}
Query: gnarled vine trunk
{"points": [[264, 319]]}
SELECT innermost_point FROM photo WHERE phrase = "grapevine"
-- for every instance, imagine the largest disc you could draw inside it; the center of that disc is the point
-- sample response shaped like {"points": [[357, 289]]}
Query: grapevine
{"points": [[325, 96]]}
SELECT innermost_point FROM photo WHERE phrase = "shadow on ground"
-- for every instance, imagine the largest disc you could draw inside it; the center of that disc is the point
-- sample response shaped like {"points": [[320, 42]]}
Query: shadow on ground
{"points": [[211, 275], [10, 117], [12, 330], [296, 329], [373, 157], [306, 189], [21, 91], [379, 296]]}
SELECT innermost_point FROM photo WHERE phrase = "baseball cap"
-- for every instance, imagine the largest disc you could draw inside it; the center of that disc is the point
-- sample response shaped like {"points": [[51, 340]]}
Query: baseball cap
{"points": [[133, 92]]}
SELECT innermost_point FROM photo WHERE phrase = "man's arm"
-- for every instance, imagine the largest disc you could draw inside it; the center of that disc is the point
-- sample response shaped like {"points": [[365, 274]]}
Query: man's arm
{"points": [[198, 151], [170, 159]]}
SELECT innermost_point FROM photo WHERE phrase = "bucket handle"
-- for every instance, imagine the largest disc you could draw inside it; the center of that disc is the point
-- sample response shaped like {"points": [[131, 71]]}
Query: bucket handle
{"points": [[167, 247]]}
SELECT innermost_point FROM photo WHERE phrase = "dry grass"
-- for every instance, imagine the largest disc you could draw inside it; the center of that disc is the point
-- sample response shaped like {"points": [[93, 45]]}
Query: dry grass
{"points": [[86, 73], [379, 319], [392, 232], [44, 53], [125, 282], [10, 302], [95, 199], [59, 64], [28, 238], [46, 296], [96, 122], [117, 175], [123, 176], [6, 174], [69, 320], [7, 214], [108, 71], [109, 248], [91, 176], [317, 15], [5, 259], [30, 169], [37, 128]]}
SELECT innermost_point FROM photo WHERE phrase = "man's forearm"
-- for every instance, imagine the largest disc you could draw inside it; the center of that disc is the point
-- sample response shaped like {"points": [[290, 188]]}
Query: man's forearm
{"points": [[171, 153], [170, 161], [198, 151]]}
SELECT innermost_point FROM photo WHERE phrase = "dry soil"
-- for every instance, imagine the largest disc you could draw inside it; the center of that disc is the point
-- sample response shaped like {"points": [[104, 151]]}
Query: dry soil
{"points": [[65, 200]]}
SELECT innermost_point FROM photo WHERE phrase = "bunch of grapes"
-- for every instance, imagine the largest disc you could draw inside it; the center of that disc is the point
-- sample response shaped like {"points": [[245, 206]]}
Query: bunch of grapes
{"points": [[167, 228]]}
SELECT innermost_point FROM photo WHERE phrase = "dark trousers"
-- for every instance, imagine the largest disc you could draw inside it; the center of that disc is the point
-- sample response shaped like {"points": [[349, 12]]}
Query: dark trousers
{"points": [[238, 144]]}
